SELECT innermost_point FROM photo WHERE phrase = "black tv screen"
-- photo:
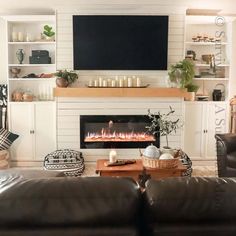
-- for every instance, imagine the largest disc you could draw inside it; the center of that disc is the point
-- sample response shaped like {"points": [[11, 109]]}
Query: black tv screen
{"points": [[120, 42]]}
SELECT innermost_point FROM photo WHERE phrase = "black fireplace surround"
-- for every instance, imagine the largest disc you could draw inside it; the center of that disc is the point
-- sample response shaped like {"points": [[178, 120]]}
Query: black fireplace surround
{"points": [[116, 131]]}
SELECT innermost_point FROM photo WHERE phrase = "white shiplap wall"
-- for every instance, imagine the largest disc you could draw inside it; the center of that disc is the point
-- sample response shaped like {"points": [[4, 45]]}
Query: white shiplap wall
{"points": [[155, 78], [69, 111]]}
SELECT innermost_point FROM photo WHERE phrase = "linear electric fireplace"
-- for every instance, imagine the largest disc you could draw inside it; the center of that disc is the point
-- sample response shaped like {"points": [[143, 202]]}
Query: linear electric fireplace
{"points": [[116, 131]]}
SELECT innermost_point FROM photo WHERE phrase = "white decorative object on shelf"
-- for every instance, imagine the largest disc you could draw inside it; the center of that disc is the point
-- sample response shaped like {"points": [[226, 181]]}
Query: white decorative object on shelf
{"points": [[20, 37], [112, 156]]}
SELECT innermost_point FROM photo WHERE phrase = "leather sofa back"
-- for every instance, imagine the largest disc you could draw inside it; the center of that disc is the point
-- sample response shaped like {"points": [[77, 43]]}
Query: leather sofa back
{"points": [[191, 206], [69, 202], [191, 200]]}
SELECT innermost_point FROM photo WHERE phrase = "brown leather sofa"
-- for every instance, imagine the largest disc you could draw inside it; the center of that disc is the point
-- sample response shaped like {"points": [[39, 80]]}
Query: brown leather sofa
{"points": [[100, 206], [226, 154]]}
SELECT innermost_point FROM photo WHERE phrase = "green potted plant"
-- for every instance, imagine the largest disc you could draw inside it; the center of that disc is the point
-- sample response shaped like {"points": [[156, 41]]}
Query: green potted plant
{"points": [[48, 32], [182, 74], [192, 89], [163, 124], [65, 78]]}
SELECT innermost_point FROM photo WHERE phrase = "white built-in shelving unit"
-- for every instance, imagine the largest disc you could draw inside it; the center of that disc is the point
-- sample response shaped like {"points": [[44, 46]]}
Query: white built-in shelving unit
{"points": [[203, 119], [30, 27], [34, 121], [215, 27]]}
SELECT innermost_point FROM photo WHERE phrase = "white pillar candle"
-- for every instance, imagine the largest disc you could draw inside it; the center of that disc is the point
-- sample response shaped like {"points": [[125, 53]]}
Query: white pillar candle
{"points": [[100, 81], [113, 83], [96, 83], [109, 82], [130, 83], [138, 82], [125, 82], [90, 83], [14, 37], [104, 83], [112, 156], [20, 36], [121, 82]]}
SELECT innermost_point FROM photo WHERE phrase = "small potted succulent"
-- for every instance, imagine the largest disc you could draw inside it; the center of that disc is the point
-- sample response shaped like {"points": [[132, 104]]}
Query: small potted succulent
{"points": [[163, 124], [48, 33], [65, 78]]}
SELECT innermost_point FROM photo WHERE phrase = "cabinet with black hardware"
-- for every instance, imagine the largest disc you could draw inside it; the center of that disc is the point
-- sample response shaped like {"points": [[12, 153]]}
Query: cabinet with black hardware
{"points": [[35, 122], [202, 121]]}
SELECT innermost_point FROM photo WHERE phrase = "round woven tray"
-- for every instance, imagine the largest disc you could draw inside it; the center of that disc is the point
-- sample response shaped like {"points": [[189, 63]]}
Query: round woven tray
{"points": [[156, 163]]}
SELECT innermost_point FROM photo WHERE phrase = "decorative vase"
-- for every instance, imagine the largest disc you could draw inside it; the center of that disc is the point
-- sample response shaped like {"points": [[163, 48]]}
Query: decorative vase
{"points": [[168, 150], [20, 54], [61, 82]]}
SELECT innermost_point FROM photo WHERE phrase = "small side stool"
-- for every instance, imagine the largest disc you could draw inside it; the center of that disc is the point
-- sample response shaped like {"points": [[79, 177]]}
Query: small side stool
{"points": [[4, 159]]}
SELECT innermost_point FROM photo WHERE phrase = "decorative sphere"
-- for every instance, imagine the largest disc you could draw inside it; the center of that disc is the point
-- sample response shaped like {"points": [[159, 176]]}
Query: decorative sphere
{"points": [[152, 151]]}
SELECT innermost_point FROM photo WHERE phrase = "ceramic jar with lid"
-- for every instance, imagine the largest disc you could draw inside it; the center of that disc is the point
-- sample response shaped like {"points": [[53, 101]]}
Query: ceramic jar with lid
{"points": [[28, 96], [216, 95]]}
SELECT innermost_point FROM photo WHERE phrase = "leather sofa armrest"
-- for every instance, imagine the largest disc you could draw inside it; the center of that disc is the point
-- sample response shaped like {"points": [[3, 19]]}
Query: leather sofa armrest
{"points": [[228, 142]]}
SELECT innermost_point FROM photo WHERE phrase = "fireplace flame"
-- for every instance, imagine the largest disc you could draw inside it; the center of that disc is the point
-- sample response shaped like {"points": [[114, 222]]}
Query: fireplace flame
{"points": [[107, 136]]}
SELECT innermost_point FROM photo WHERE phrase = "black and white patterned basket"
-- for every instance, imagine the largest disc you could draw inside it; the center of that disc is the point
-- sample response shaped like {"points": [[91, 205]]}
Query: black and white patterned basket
{"points": [[186, 161], [69, 161]]}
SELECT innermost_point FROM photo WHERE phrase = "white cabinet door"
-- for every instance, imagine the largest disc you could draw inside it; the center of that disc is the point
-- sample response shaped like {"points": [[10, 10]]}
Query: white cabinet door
{"points": [[21, 123], [216, 123], [202, 121], [45, 129], [193, 129]]}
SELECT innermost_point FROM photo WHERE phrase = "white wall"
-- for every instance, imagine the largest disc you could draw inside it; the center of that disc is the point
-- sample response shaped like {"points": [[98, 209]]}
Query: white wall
{"points": [[233, 62], [3, 61]]}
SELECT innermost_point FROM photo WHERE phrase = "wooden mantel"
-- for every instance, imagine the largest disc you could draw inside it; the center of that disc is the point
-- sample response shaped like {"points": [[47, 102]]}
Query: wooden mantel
{"points": [[120, 92]]}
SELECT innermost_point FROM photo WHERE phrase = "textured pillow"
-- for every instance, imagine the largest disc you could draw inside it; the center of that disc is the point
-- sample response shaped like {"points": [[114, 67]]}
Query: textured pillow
{"points": [[69, 161], [6, 139]]}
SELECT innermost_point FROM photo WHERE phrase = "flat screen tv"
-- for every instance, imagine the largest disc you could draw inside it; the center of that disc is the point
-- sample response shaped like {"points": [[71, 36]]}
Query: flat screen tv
{"points": [[105, 42]]}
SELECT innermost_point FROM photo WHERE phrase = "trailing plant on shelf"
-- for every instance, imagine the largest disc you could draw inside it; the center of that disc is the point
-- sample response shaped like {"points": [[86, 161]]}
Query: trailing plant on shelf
{"points": [[162, 123], [65, 77]]}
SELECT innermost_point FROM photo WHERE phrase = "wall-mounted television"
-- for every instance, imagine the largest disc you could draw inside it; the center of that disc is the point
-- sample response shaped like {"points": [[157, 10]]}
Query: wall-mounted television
{"points": [[120, 42]]}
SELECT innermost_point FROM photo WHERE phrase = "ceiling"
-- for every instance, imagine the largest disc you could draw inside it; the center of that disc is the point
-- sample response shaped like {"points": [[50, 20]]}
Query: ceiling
{"points": [[49, 6]]}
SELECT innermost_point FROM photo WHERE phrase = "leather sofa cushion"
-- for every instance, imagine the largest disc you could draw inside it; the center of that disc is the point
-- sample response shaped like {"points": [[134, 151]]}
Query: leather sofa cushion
{"points": [[194, 229], [191, 199], [71, 231], [231, 159], [90, 202]]}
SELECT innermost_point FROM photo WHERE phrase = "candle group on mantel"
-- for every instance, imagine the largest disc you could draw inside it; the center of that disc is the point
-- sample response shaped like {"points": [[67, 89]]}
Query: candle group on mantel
{"points": [[124, 81]]}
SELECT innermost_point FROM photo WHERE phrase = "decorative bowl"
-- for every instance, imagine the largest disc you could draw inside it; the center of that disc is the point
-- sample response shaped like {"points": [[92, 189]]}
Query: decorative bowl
{"points": [[152, 151]]}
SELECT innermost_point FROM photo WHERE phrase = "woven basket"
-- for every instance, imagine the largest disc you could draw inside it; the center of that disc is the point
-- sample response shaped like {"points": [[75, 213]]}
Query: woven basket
{"points": [[156, 163]]}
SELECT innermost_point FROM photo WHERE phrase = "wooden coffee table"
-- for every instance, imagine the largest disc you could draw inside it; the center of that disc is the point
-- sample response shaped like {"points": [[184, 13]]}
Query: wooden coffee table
{"points": [[137, 171]]}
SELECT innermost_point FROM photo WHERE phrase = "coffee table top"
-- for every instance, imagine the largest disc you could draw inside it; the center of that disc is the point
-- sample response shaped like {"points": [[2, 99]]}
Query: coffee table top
{"points": [[138, 166]]}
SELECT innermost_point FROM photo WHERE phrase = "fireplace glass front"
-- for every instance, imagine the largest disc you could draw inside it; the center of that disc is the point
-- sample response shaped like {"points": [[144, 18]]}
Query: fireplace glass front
{"points": [[116, 131]]}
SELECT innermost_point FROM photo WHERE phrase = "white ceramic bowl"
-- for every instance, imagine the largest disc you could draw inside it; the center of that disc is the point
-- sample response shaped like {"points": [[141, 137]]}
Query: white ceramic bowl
{"points": [[166, 156]]}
